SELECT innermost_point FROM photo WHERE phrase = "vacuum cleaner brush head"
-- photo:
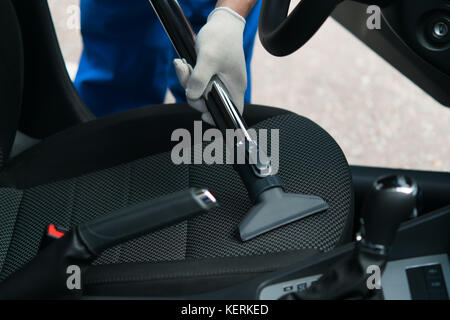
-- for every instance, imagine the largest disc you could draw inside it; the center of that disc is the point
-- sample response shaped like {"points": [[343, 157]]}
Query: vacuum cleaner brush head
{"points": [[276, 208]]}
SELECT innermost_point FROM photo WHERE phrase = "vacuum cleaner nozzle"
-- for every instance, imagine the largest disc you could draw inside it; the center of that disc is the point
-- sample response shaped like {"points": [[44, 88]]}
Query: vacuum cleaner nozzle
{"points": [[272, 206], [276, 208]]}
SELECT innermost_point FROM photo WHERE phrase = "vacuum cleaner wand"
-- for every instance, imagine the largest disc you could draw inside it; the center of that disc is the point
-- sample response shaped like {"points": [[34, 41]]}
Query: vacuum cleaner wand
{"points": [[272, 206]]}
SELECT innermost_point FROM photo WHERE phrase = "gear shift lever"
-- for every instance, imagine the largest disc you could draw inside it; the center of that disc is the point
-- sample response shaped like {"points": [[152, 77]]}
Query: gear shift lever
{"points": [[391, 201]]}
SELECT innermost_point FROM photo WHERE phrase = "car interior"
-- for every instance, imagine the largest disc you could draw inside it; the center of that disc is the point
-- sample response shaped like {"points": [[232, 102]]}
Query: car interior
{"points": [[104, 194]]}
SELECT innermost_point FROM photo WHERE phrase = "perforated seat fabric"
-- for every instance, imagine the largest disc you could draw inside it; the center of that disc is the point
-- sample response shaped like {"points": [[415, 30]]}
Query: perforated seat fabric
{"points": [[310, 162]]}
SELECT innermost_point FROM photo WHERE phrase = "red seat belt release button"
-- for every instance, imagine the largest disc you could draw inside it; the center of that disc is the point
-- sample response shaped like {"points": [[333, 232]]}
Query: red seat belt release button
{"points": [[52, 231]]}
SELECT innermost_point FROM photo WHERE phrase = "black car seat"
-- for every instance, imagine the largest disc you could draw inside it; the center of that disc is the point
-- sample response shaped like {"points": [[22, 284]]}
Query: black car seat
{"points": [[84, 168]]}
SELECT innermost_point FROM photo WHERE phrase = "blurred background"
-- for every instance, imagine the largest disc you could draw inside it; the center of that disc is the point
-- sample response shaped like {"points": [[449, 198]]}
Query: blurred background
{"points": [[378, 117]]}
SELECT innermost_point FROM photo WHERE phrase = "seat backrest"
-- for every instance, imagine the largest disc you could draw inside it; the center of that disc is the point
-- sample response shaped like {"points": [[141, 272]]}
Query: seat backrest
{"points": [[11, 77], [50, 102]]}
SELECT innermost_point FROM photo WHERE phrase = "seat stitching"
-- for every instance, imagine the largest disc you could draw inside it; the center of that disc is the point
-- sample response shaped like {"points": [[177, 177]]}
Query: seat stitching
{"points": [[71, 209], [179, 275], [13, 233], [130, 168], [188, 221]]}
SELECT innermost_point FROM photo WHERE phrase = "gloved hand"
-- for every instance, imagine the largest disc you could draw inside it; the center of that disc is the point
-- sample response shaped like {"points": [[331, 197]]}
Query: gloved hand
{"points": [[220, 52]]}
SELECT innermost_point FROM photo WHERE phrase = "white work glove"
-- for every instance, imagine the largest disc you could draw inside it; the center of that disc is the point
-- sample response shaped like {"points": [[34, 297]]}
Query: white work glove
{"points": [[220, 52]]}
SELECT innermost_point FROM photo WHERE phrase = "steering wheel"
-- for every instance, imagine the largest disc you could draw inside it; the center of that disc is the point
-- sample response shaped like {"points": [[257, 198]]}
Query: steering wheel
{"points": [[282, 34]]}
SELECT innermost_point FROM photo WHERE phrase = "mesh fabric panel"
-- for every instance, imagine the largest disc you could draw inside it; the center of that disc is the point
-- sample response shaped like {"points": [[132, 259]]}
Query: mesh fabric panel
{"points": [[310, 162], [70, 202], [9, 206]]}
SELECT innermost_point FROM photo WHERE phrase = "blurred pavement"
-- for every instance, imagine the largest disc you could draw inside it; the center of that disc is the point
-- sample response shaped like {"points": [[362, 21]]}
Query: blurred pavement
{"points": [[378, 117]]}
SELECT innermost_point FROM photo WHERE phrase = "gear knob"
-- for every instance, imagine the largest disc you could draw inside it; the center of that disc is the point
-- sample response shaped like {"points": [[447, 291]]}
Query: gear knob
{"points": [[391, 200]]}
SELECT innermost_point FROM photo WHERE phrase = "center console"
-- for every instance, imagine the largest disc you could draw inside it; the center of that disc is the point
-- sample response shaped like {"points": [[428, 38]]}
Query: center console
{"points": [[418, 267]]}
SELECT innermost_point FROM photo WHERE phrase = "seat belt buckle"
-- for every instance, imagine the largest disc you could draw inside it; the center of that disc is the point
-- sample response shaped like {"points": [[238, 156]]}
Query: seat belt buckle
{"points": [[52, 233]]}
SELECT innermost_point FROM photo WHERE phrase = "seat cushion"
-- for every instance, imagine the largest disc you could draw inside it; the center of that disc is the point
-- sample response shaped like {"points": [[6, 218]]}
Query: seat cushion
{"points": [[310, 162]]}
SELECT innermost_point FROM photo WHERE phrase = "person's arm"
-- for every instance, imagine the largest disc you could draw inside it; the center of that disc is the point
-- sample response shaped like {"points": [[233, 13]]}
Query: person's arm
{"points": [[242, 7]]}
